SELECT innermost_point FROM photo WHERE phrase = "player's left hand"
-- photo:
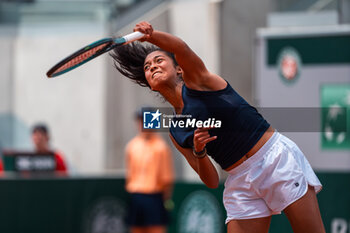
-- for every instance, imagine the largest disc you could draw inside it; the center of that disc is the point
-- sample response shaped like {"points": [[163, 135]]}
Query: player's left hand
{"points": [[201, 137]]}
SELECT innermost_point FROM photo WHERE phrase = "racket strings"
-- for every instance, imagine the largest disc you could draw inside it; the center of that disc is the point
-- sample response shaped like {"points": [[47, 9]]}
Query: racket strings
{"points": [[81, 58]]}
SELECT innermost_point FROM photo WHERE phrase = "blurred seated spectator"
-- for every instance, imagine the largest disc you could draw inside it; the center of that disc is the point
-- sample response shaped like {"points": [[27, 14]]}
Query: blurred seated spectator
{"points": [[41, 139]]}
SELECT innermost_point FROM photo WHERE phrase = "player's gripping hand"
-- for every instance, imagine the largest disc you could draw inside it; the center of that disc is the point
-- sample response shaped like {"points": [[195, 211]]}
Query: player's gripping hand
{"points": [[201, 137], [145, 28]]}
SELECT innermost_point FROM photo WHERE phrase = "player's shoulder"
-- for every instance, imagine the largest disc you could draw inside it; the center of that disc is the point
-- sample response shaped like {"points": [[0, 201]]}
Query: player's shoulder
{"points": [[207, 82]]}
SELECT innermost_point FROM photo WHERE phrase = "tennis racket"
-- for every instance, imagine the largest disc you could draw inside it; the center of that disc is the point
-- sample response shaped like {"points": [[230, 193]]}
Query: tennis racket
{"points": [[90, 52]]}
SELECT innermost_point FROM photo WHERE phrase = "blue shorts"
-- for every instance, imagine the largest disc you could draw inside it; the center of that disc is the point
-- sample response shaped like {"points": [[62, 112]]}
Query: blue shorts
{"points": [[147, 210]]}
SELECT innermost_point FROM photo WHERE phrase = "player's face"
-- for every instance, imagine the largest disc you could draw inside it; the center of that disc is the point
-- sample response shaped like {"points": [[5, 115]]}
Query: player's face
{"points": [[159, 70]]}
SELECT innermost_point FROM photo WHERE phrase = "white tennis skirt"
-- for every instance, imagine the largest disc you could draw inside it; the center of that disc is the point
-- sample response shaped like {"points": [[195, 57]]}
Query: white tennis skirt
{"points": [[266, 183]]}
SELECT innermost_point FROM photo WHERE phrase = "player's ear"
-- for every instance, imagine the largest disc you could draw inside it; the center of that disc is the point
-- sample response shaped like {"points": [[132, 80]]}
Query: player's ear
{"points": [[178, 71]]}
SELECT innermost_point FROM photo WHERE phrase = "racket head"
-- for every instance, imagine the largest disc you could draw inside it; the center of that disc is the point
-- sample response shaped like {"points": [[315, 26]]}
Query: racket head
{"points": [[82, 56], [90, 52]]}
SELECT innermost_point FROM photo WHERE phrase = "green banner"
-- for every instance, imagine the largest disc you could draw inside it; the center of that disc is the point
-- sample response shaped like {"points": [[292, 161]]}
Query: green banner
{"points": [[197, 209], [335, 102], [57, 205], [313, 50], [95, 205]]}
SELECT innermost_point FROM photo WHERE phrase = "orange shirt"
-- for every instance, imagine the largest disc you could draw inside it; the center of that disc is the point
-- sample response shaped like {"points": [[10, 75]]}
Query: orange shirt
{"points": [[149, 165]]}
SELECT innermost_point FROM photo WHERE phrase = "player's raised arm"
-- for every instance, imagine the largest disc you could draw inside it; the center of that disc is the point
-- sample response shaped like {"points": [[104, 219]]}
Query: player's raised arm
{"points": [[195, 73]]}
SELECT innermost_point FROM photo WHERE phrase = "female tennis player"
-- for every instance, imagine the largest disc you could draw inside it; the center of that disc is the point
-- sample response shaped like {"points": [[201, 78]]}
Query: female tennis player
{"points": [[267, 171]]}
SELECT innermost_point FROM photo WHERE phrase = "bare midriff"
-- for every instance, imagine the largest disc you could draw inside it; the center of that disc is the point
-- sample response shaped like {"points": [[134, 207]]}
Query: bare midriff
{"points": [[266, 136]]}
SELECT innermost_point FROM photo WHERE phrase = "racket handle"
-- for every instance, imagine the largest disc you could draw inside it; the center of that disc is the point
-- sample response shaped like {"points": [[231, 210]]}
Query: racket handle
{"points": [[133, 36]]}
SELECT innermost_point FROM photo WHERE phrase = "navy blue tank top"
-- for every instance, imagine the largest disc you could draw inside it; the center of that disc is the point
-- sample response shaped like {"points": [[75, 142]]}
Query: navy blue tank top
{"points": [[241, 124]]}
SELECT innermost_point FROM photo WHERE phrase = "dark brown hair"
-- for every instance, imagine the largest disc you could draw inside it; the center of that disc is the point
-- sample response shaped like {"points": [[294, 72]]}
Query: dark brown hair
{"points": [[129, 60]]}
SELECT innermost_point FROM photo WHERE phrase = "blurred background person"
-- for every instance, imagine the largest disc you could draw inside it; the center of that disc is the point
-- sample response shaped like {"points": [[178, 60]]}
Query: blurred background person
{"points": [[41, 142], [149, 180]]}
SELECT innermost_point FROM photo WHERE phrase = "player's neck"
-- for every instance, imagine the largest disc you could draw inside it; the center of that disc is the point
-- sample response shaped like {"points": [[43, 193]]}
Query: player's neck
{"points": [[174, 96]]}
